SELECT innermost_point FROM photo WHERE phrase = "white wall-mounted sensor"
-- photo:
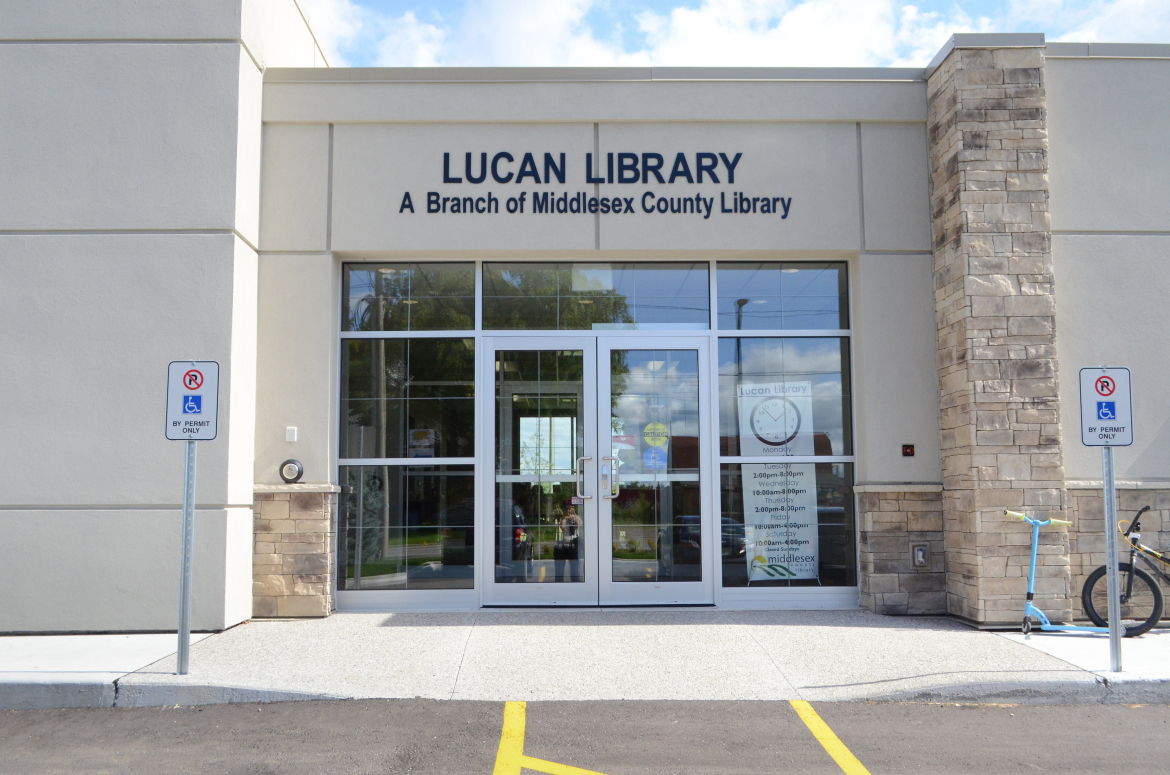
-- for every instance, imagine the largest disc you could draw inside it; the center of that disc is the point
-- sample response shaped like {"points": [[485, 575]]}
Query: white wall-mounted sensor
{"points": [[290, 433]]}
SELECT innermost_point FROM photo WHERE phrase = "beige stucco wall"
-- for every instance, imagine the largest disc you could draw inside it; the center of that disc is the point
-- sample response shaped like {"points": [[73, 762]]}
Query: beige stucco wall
{"points": [[131, 158], [1110, 183]]}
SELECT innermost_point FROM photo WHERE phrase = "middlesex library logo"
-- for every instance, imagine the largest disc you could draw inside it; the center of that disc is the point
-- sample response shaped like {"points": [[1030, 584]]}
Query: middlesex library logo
{"points": [[664, 186]]}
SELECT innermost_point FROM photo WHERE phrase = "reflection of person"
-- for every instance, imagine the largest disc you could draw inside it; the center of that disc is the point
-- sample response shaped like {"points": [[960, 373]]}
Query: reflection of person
{"points": [[567, 546]]}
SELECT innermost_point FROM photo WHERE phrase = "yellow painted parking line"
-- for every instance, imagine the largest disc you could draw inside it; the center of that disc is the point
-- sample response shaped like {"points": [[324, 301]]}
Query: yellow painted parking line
{"points": [[511, 740], [510, 758], [825, 736], [552, 768]]}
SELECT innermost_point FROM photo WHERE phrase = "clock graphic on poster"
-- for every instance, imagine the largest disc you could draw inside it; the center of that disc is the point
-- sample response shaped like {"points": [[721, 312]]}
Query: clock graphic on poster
{"points": [[775, 421]]}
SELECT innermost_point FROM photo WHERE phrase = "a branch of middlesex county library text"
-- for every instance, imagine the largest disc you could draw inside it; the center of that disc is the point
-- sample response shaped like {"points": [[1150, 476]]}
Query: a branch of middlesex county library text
{"points": [[631, 168]]}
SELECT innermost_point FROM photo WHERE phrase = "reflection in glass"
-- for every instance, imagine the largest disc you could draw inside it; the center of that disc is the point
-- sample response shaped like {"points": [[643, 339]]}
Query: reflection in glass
{"points": [[407, 398], [745, 493], [407, 527], [408, 297], [583, 297], [657, 515], [539, 436], [757, 295], [784, 396]]}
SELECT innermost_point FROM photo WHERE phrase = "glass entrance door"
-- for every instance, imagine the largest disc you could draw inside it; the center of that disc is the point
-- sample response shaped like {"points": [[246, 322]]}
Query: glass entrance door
{"points": [[544, 527], [599, 487], [655, 510]]}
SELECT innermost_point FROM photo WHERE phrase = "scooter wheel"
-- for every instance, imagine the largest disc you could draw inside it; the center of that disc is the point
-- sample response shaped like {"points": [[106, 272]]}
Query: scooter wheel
{"points": [[1026, 627]]}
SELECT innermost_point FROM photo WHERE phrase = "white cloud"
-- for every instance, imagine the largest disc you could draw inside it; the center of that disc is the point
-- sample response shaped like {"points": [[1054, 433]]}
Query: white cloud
{"points": [[1115, 21], [527, 34], [771, 33], [336, 24], [1125, 21], [410, 43], [815, 33]]}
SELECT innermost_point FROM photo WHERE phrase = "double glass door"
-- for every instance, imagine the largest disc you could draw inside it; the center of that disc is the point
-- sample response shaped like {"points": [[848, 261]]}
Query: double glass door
{"points": [[599, 473]]}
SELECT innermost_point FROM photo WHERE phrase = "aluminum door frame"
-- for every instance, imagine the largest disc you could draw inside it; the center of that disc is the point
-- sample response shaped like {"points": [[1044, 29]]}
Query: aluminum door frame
{"points": [[536, 593], [670, 592]]}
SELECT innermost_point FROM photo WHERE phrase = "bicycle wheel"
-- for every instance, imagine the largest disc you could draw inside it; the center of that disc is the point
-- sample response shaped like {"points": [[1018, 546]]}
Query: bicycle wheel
{"points": [[1140, 612]]}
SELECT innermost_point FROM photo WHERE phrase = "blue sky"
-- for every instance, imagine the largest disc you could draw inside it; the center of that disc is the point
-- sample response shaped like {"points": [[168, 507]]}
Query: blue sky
{"points": [[366, 33]]}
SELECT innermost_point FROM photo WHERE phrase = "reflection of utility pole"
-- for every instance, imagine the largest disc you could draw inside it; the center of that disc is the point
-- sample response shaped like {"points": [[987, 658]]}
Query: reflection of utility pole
{"points": [[381, 415], [739, 305], [361, 510]]}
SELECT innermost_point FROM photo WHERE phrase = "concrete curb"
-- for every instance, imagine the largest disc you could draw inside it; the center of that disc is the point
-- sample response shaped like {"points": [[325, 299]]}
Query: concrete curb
{"points": [[43, 695], [1099, 691], [159, 695]]}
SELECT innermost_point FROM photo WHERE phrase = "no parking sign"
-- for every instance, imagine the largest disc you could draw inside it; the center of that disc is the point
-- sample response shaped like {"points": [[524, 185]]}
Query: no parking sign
{"points": [[1106, 408], [192, 400]]}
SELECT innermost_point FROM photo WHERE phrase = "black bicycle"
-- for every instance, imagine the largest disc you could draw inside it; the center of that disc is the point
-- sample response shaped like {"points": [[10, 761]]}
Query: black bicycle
{"points": [[1141, 597]]}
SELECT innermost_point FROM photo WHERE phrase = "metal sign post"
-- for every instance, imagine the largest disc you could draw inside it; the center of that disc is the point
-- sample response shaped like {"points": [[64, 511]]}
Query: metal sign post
{"points": [[1107, 422], [185, 559], [192, 415], [1112, 582]]}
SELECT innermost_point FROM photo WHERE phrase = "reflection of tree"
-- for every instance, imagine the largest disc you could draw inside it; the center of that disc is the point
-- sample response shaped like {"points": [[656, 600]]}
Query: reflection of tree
{"points": [[638, 511], [393, 385], [540, 296], [532, 453], [433, 296], [619, 380], [605, 307]]}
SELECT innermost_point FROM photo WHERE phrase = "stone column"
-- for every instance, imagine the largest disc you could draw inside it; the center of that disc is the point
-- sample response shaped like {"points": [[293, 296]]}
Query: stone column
{"points": [[995, 309], [295, 550]]}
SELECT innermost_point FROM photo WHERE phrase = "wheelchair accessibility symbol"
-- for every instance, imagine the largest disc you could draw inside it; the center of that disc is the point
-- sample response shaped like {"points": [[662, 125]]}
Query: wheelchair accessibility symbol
{"points": [[193, 405], [1106, 410]]}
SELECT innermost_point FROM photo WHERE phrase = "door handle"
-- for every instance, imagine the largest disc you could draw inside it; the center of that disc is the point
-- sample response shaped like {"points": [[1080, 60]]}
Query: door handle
{"points": [[609, 478], [581, 470]]}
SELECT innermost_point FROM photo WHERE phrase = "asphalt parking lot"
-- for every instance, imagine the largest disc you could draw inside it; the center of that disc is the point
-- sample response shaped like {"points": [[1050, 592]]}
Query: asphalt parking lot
{"points": [[615, 738]]}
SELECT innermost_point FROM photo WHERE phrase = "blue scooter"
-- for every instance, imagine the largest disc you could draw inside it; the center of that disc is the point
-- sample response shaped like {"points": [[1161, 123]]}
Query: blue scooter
{"points": [[1029, 609]]}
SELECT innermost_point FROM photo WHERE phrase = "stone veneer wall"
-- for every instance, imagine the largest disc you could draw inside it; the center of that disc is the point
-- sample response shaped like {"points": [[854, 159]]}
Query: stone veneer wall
{"points": [[293, 561], [1087, 534], [891, 523], [995, 310]]}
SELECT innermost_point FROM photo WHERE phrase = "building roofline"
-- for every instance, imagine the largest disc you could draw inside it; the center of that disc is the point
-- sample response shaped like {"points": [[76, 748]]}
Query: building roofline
{"points": [[584, 74], [1109, 50]]}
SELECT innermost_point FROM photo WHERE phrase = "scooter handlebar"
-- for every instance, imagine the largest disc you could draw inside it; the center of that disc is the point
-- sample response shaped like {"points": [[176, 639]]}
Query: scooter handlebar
{"points": [[1024, 517]]}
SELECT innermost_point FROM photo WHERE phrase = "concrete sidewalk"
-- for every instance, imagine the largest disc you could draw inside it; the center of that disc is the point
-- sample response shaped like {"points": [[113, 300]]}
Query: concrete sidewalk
{"points": [[75, 671], [591, 654], [1143, 659]]}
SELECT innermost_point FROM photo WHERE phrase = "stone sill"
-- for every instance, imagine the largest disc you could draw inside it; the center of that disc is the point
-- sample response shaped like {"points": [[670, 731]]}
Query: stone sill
{"points": [[1122, 484], [897, 487], [299, 487]]}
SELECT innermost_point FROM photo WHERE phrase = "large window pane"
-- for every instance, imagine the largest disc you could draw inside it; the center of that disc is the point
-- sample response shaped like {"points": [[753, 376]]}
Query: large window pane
{"points": [[761, 295], [584, 297], [784, 396], [787, 525], [408, 297], [407, 398], [407, 527], [540, 415], [654, 424]]}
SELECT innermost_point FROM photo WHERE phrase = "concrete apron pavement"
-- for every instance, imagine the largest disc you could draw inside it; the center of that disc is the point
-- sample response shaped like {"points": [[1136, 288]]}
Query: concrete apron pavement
{"points": [[591, 654]]}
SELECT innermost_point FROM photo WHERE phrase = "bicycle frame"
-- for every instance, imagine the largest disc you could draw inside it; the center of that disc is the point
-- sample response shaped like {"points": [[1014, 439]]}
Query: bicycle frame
{"points": [[1147, 554], [1030, 609]]}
